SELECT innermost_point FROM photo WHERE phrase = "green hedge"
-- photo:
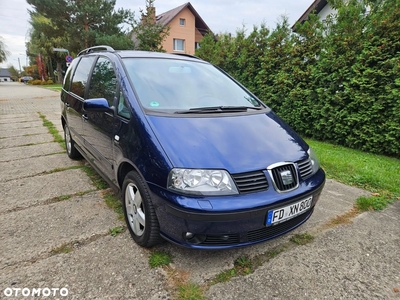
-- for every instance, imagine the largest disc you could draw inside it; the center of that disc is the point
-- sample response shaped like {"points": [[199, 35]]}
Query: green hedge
{"points": [[336, 81]]}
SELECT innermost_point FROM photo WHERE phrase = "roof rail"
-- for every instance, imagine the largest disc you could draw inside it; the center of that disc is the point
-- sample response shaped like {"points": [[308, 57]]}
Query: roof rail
{"points": [[187, 55], [96, 48]]}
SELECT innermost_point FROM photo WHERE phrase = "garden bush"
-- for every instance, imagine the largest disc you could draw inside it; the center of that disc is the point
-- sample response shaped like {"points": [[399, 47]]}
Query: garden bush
{"points": [[337, 80]]}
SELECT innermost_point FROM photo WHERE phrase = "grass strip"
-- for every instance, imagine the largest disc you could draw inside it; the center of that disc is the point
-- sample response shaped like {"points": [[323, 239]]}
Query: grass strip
{"points": [[375, 173], [52, 130]]}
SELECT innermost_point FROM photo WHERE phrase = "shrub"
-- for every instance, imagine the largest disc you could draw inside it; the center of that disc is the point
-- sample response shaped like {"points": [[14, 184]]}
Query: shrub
{"points": [[335, 81], [35, 82]]}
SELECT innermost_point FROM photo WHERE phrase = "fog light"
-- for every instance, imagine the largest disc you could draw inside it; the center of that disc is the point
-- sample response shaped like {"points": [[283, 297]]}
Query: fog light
{"points": [[189, 235], [194, 238]]}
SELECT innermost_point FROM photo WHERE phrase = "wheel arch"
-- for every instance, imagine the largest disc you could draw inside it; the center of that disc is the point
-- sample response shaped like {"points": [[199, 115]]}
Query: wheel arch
{"points": [[123, 169]]}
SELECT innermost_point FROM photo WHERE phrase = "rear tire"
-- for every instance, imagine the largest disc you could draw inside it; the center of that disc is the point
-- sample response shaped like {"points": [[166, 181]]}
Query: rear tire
{"points": [[72, 152], [139, 212]]}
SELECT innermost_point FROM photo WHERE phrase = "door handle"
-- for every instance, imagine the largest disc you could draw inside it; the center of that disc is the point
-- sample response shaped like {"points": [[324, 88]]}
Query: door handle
{"points": [[85, 117]]}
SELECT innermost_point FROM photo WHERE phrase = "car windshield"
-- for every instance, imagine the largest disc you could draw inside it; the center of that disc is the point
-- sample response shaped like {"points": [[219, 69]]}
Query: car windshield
{"points": [[180, 86]]}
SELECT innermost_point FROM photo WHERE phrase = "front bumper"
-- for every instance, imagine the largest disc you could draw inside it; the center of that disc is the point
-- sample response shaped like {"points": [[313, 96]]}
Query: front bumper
{"points": [[231, 229]]}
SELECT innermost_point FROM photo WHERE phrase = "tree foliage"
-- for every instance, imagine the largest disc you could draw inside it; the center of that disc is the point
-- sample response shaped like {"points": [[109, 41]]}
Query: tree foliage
{"points": [[337, 80], [85, 23], [13, 72], [147, 34], [44, 37], [3, 51]]}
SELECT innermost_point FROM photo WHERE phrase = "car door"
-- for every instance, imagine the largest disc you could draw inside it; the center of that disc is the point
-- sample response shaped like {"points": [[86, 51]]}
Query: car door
{"points": [[98, 127], [75, 96]]}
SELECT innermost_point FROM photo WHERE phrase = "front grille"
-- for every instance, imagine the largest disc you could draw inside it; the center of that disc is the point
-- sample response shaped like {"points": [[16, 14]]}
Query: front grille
{"points": [[305, 168], [274, 230], [221, 240], [276, 174], [251, 182]]}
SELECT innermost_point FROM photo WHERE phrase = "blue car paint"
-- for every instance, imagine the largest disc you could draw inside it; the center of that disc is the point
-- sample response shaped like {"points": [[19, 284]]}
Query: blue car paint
{"points": [[236, 143]]}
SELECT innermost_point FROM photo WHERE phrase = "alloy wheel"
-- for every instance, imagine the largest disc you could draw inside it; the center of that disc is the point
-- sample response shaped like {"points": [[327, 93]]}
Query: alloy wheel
{"points": [[135, 209]]}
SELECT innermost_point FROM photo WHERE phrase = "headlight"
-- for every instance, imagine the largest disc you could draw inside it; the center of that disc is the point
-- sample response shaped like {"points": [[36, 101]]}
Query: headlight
{"points": [[201, 182], [314, 160]]}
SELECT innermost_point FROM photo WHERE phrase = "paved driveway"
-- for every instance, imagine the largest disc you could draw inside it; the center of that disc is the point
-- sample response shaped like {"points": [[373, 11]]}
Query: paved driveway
{"points": [[55, 232]]}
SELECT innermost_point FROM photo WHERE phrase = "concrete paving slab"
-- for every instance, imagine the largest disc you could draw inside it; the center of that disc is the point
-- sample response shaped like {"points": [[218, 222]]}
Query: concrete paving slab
{"points": [[16, 153], [75, 219], [29, 191], [33, 166], [55, 115], [25, 140], [19, 118], [353, 261], [15, 90], [20, 125], [18, 132], [108, 268], [34, 104], [336, 199]]}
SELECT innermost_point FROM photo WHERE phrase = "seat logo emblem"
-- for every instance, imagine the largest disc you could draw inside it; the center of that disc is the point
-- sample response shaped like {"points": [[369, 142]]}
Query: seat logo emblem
{"points": [[287, 177]]}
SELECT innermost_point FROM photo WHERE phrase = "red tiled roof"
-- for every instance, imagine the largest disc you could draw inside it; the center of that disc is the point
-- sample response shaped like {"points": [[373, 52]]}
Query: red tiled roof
{"points": [[167, 17]]}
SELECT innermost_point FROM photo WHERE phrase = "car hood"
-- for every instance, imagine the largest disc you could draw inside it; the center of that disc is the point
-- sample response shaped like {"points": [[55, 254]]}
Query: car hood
{"points": [[236, 143]]}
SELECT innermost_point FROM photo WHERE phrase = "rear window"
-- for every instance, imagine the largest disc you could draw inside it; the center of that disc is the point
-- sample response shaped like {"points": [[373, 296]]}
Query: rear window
{"points": [[173, 85]]}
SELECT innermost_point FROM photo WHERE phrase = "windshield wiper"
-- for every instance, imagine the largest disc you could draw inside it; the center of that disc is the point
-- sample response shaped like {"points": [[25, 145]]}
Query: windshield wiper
{"points": [[217, 109]]}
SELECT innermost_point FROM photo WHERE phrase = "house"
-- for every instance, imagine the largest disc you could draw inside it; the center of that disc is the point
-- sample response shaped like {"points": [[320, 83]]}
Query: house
{"points": [[187, 28], [5, 75], [320, 7]]}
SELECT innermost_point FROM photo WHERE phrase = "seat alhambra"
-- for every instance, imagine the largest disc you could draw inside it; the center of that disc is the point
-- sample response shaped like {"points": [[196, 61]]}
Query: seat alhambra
{"points": [[197, 159]]}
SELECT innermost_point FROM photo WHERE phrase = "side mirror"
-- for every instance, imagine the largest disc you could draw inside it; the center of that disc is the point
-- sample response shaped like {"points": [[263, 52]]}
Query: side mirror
{"points": [[97, 105]]}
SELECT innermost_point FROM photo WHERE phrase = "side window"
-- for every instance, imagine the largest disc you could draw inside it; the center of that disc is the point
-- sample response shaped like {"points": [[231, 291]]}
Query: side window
{"points": [[103, 83], [123, 108], [70, 71], [80, 79]]}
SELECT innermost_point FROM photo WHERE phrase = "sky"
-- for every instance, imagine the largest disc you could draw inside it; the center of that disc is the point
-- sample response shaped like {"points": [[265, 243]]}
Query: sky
{"points": [[220, 15]]}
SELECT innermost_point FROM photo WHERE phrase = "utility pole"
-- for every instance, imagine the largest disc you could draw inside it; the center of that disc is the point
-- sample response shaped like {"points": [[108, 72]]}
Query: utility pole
{"points": [[19, 63]]}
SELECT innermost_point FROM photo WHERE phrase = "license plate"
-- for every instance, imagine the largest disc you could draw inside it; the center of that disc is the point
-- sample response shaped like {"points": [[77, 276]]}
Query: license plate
{"points": [[283, 214]]}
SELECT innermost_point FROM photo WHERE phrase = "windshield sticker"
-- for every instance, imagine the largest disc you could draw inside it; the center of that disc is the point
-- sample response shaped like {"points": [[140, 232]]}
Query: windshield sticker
{"points": [[154, 104]]}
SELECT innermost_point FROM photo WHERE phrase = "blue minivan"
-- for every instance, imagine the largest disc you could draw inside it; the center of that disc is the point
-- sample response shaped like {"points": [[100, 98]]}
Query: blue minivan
{"points": [[197, 159]]}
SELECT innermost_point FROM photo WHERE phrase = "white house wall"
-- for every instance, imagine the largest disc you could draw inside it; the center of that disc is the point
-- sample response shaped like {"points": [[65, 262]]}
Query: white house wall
{"points": [[327, 10]]}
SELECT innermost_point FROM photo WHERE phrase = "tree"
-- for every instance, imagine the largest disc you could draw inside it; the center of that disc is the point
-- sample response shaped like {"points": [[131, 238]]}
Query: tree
{"points": [[147, 34], [3, 51], [13, 72], [44, 37], [86, 23]]}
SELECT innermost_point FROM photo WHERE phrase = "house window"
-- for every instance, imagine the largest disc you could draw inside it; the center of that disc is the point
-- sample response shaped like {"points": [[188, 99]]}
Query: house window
{"points": [[179, 45], [182, 22], [196, 45]]}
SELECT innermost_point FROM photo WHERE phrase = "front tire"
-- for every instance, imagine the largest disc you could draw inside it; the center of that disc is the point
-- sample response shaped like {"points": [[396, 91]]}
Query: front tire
{"points": [[72, 152], [139, 212]]}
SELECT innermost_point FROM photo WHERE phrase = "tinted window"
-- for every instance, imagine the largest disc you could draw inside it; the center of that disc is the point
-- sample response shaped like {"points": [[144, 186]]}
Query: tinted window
{"points": [[70, 71], [123, 108], [103, 83], [168, 84], [81, 75]]}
